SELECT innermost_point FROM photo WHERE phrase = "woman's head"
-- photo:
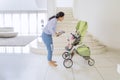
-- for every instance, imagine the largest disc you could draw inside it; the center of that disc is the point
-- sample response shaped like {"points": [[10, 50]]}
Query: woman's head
{"points": [[59, 16]]}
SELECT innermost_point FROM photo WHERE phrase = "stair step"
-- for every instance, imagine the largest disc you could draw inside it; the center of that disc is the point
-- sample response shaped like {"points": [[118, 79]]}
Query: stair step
{"points": [[66, 25], [98, 50], [68, 22], [70, 15], [69, 18], [66, 11]]}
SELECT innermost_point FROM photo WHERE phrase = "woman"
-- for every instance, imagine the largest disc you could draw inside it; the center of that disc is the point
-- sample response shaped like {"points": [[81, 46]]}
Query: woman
{"points": [[48, 32]]}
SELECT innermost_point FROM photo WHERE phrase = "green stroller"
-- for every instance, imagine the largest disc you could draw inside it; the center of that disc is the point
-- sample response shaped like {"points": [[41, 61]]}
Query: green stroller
{"points": [[75, 45]]}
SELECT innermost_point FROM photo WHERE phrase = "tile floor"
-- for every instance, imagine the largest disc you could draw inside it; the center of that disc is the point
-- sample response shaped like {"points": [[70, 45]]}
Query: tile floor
{"points": [[35, 67]]}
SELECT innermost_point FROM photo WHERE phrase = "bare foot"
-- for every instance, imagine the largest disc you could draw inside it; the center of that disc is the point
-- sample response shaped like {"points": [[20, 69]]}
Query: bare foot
{"points": [[53, 61], [52, 64]]}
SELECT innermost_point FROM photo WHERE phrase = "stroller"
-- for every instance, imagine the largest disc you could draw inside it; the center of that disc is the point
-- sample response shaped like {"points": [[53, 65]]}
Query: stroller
{"points": [[75, 45]]}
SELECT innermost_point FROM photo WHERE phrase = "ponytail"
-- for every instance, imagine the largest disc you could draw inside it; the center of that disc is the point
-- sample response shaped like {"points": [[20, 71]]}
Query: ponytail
{"points": [[52, 17], [59, 14]]}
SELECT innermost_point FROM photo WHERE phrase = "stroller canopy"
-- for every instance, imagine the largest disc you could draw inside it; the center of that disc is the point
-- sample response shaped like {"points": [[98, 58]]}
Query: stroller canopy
{"points": [[81, 28]]}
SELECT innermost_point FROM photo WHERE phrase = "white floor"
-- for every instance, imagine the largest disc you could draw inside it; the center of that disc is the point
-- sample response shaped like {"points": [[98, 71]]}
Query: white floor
{"points": [[35, 67]]}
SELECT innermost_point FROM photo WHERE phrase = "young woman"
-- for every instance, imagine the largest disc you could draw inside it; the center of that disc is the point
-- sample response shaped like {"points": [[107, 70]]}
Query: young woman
{"points": [[48, 32]]}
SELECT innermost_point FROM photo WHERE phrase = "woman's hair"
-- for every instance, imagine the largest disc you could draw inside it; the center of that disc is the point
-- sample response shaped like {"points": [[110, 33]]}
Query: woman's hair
{"points": [[59, 14]]}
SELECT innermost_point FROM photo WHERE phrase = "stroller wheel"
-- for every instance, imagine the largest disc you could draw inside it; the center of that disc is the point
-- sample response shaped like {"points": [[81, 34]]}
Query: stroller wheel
{"points": [[66, 55], [91, 62], [68, 63]]}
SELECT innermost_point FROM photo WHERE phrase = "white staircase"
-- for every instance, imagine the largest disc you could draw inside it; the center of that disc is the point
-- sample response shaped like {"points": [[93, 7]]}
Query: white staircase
{"points": [[68, 25]]}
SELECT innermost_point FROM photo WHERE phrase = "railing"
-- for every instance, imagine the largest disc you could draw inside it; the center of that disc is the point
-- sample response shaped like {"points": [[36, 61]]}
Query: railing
{"points": [[25, 23]]}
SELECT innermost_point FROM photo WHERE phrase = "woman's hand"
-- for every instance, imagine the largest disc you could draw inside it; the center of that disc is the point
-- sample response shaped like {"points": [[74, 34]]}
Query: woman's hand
{"points": [[60, 33]]}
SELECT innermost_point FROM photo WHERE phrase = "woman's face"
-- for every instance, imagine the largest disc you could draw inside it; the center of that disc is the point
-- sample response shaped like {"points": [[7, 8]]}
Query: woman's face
{"points": [[61, 18]]}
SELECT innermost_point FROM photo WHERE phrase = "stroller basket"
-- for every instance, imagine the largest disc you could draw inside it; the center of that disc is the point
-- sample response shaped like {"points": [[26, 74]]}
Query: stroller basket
{"points": [[83, 50]]}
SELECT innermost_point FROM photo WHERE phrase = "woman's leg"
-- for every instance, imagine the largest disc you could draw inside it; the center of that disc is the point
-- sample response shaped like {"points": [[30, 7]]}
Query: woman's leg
{"points": [[50, 50], [49, 45]]}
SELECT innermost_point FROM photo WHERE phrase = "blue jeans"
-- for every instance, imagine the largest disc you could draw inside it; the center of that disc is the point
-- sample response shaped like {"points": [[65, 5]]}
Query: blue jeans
{"points": [[47, 39]]}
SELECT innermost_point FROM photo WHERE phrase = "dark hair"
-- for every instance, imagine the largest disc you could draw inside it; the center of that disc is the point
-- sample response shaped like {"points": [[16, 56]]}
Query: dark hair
{"points": [[59, 14]]}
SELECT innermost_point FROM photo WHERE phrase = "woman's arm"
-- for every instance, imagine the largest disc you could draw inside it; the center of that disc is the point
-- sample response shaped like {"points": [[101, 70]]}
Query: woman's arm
{"points": [[59, 33]]}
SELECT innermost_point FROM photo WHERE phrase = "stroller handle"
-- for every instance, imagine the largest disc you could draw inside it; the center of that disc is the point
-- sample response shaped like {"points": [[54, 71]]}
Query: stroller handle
{"points": [[73, 35]]}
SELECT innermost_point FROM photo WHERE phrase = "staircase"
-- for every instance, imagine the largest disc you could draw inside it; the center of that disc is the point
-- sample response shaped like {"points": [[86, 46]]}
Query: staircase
{"points": [[68, 25]]}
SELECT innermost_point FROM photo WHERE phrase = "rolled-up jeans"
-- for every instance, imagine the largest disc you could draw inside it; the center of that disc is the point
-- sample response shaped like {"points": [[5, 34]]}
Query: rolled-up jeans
{"points": [[47, 39]]}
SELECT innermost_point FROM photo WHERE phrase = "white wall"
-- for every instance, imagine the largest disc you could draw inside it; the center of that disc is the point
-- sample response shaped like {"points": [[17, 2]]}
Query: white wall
{"points": [[51, 6], [64, 3], [23, 5], [103, 18]]}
